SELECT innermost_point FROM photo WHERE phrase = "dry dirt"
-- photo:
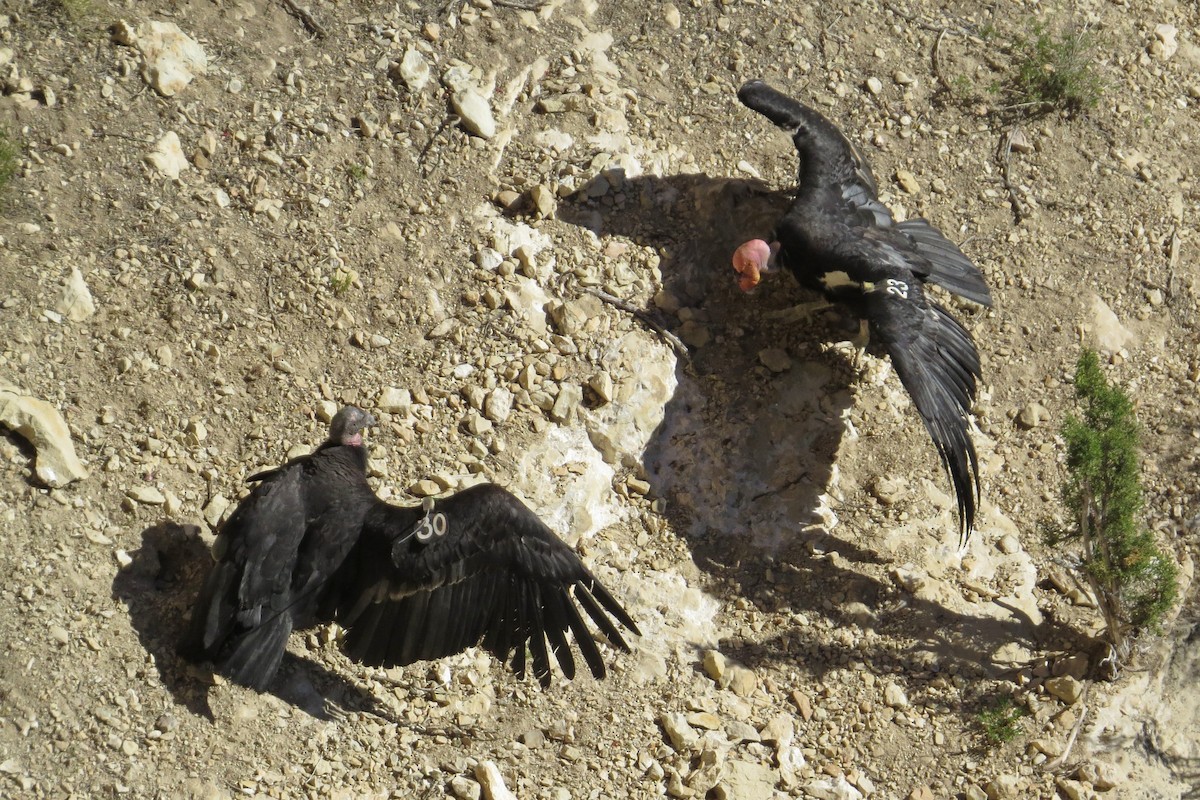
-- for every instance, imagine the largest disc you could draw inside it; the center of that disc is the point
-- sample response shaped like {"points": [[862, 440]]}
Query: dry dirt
{"points": [[329, 238]]}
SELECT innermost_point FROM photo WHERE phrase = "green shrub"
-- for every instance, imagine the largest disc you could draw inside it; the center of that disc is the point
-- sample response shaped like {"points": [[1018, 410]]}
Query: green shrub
{"points": [[8, 160], [1133, 579], [1056, 71], [1001, 722]]}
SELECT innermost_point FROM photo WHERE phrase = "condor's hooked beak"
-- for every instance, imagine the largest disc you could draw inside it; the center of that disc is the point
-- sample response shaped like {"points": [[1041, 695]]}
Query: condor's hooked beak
{"points": [[752, 260]]}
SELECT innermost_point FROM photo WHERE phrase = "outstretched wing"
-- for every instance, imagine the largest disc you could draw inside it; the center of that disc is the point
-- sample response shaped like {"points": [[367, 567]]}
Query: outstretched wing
{"points": [[941, 262], [477, 567], [814, 137], [938, 364]]}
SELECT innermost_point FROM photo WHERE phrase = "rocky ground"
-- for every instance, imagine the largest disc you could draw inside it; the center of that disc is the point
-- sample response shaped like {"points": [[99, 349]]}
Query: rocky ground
{"points": [[408, 207]]}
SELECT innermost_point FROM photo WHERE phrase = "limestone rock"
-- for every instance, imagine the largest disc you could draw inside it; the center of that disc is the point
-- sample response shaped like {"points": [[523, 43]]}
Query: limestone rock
{"points": [[464, 788], [543, 199], [170, 58], [468, 101], [528, 302], [832, 789], [413, 69], [1065, 688], [577, 504], [394, 401], [681, 735], [147, 495], [908, 182], [489, 777], [745, 779], [76, 303], [715, 665], [1033, 415], [1107, 331], [167, 156], [43, 427], [215, 509], [475, 112], [1004, 787], [894, 696], [641, 381], [498, 405], [1165, 43], [566, 405], [775, 359]]}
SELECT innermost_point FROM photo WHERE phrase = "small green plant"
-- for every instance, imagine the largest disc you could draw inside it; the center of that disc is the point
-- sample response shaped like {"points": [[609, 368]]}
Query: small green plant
{"points": [[1056, 70], [1133, 579], [356, 171], [8, 160], [1001, 722], [340, 281], [961, 86]]}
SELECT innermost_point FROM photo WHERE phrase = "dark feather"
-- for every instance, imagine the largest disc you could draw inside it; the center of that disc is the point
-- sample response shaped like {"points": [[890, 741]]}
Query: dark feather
{"points": [[312, 543], [838, 238]]}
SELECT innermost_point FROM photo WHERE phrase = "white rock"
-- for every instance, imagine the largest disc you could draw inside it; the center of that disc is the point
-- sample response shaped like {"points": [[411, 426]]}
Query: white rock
{"points": [[1165, 43], [488, 259], [1065, 688], [672, 17], [147, 495], [468, 101], [832, 789], [43, 427], [715, 665], [215, 509], [642, 374], [745, 780], [76, 303], [894, 696], [167, 156], [1008, 544], [1109, 334], [326, 409], [683, 736], [414, 70], [582, 501], [780, 729], [498, 404], [1033, 415], [464, 788], [170, 58], [489, 777], [1004, 787], [394, 401], [528, 301], [566, 405]]}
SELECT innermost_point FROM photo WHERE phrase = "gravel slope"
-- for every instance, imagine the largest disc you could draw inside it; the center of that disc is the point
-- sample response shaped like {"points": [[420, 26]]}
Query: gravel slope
{"points": [[407, 207]]}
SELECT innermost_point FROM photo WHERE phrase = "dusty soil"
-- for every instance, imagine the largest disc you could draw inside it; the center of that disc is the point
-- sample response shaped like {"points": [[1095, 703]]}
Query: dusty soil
{"points": [[333, 235]]}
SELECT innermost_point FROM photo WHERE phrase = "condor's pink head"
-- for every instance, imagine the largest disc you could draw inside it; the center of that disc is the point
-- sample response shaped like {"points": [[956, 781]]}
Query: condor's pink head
{"points": [[753, 260]]}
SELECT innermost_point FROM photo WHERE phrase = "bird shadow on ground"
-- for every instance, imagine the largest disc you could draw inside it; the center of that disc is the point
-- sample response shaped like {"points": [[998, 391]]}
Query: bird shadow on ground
{"points": [[158, 588], [744, 454]]}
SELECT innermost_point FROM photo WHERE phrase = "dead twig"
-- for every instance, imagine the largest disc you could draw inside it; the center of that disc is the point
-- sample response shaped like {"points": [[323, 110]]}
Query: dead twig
{"points": [[671, 339], [1018, 208], [309, 21], [937, 62], [518, 5], [1062, 759]]}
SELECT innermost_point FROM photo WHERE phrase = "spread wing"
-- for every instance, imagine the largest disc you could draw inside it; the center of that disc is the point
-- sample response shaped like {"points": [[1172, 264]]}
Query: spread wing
{"points": [[936, 360], [478, 567]]}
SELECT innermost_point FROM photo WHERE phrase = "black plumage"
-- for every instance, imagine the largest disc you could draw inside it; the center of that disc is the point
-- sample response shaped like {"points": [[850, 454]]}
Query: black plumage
{"points": [[312, 543], [839, 239]]}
